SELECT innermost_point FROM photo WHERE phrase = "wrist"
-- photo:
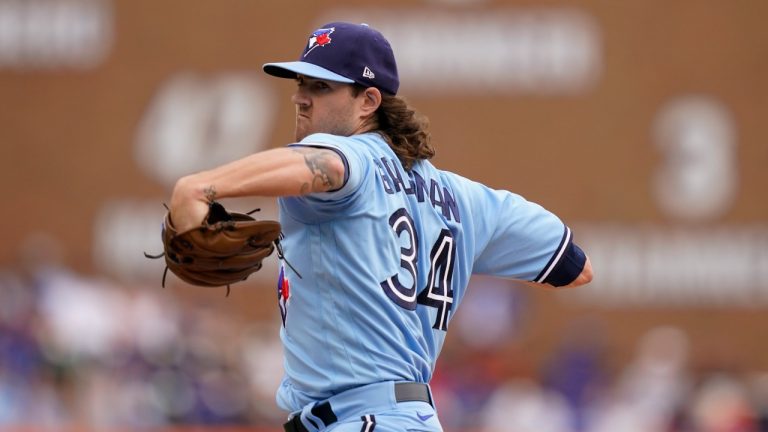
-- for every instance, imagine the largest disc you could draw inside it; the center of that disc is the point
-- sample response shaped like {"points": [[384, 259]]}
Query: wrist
{"points": [[191, 189], [189, 203]]}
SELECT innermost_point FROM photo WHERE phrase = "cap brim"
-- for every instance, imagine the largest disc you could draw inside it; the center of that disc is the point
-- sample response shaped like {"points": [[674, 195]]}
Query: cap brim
{"points": [[291, 69]]}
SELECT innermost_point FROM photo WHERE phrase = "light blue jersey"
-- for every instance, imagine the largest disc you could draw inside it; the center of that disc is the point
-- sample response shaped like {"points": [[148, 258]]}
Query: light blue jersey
{"points": [[385, 262]]}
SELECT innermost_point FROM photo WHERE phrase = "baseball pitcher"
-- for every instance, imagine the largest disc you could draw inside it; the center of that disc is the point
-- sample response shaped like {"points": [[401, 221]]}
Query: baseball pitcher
{"points": [[380, 243]]}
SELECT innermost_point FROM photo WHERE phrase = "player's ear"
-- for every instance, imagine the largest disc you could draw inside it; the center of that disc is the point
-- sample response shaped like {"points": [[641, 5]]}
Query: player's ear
{"points": [[371, 99]]}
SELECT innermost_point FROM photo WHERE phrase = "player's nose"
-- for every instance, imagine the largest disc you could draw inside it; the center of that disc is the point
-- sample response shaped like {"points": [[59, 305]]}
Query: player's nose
{"points": [[299, 98]]}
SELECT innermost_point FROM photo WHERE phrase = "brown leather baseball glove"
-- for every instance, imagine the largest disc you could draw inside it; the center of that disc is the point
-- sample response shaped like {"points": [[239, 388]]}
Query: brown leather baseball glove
{"points": [[226, 248]]}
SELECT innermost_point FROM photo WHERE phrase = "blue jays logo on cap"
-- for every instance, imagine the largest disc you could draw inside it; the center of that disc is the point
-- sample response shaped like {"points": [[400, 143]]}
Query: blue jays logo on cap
{"points": [[320, 37]]}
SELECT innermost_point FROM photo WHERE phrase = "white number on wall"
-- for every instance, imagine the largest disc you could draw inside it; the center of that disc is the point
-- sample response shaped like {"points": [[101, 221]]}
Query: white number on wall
{"points": [[196, 123], [698, 176]]}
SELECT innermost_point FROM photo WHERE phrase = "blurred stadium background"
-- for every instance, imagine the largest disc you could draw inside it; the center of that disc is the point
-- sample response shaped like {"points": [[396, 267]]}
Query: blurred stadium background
{"points": [[642, 123]]}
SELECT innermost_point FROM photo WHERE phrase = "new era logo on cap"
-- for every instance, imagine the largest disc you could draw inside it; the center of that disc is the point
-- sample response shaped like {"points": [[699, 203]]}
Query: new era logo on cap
{"points": [[344, 52]]}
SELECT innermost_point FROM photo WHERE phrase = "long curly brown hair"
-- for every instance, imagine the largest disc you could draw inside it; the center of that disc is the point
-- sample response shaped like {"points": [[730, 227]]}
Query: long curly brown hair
{"points": [[405, 130]]}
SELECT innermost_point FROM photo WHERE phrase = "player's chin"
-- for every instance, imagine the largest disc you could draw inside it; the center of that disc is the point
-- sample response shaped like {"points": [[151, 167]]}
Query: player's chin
{"points": [[300, 134], [302, 128]]}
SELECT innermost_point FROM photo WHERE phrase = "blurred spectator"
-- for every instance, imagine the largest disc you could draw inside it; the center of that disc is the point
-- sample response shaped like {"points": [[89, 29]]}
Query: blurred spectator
{"points": [[722, 404], [759, 390], [493, 311], [651, 387], [263, 366], [474, 365], [524, 405], [576, 370]]}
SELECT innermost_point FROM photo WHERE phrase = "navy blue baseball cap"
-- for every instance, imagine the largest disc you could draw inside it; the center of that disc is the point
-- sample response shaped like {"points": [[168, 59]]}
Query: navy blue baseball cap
{"points": [[347, 53]]}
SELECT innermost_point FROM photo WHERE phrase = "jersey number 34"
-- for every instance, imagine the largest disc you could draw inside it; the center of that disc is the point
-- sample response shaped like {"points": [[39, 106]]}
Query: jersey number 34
{"points": [[438, 292]]}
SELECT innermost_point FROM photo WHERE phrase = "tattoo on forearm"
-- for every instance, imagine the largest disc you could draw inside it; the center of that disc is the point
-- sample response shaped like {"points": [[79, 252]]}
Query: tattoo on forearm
{"points": [[210, 193], [319, 163]]}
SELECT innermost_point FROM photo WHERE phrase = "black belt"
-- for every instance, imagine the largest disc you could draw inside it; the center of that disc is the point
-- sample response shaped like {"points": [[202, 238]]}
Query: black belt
{"points": [[404, 392]]}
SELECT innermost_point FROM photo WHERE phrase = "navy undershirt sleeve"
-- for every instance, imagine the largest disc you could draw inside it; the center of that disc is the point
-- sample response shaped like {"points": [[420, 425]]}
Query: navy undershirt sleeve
{"points": [[569, 267]]}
